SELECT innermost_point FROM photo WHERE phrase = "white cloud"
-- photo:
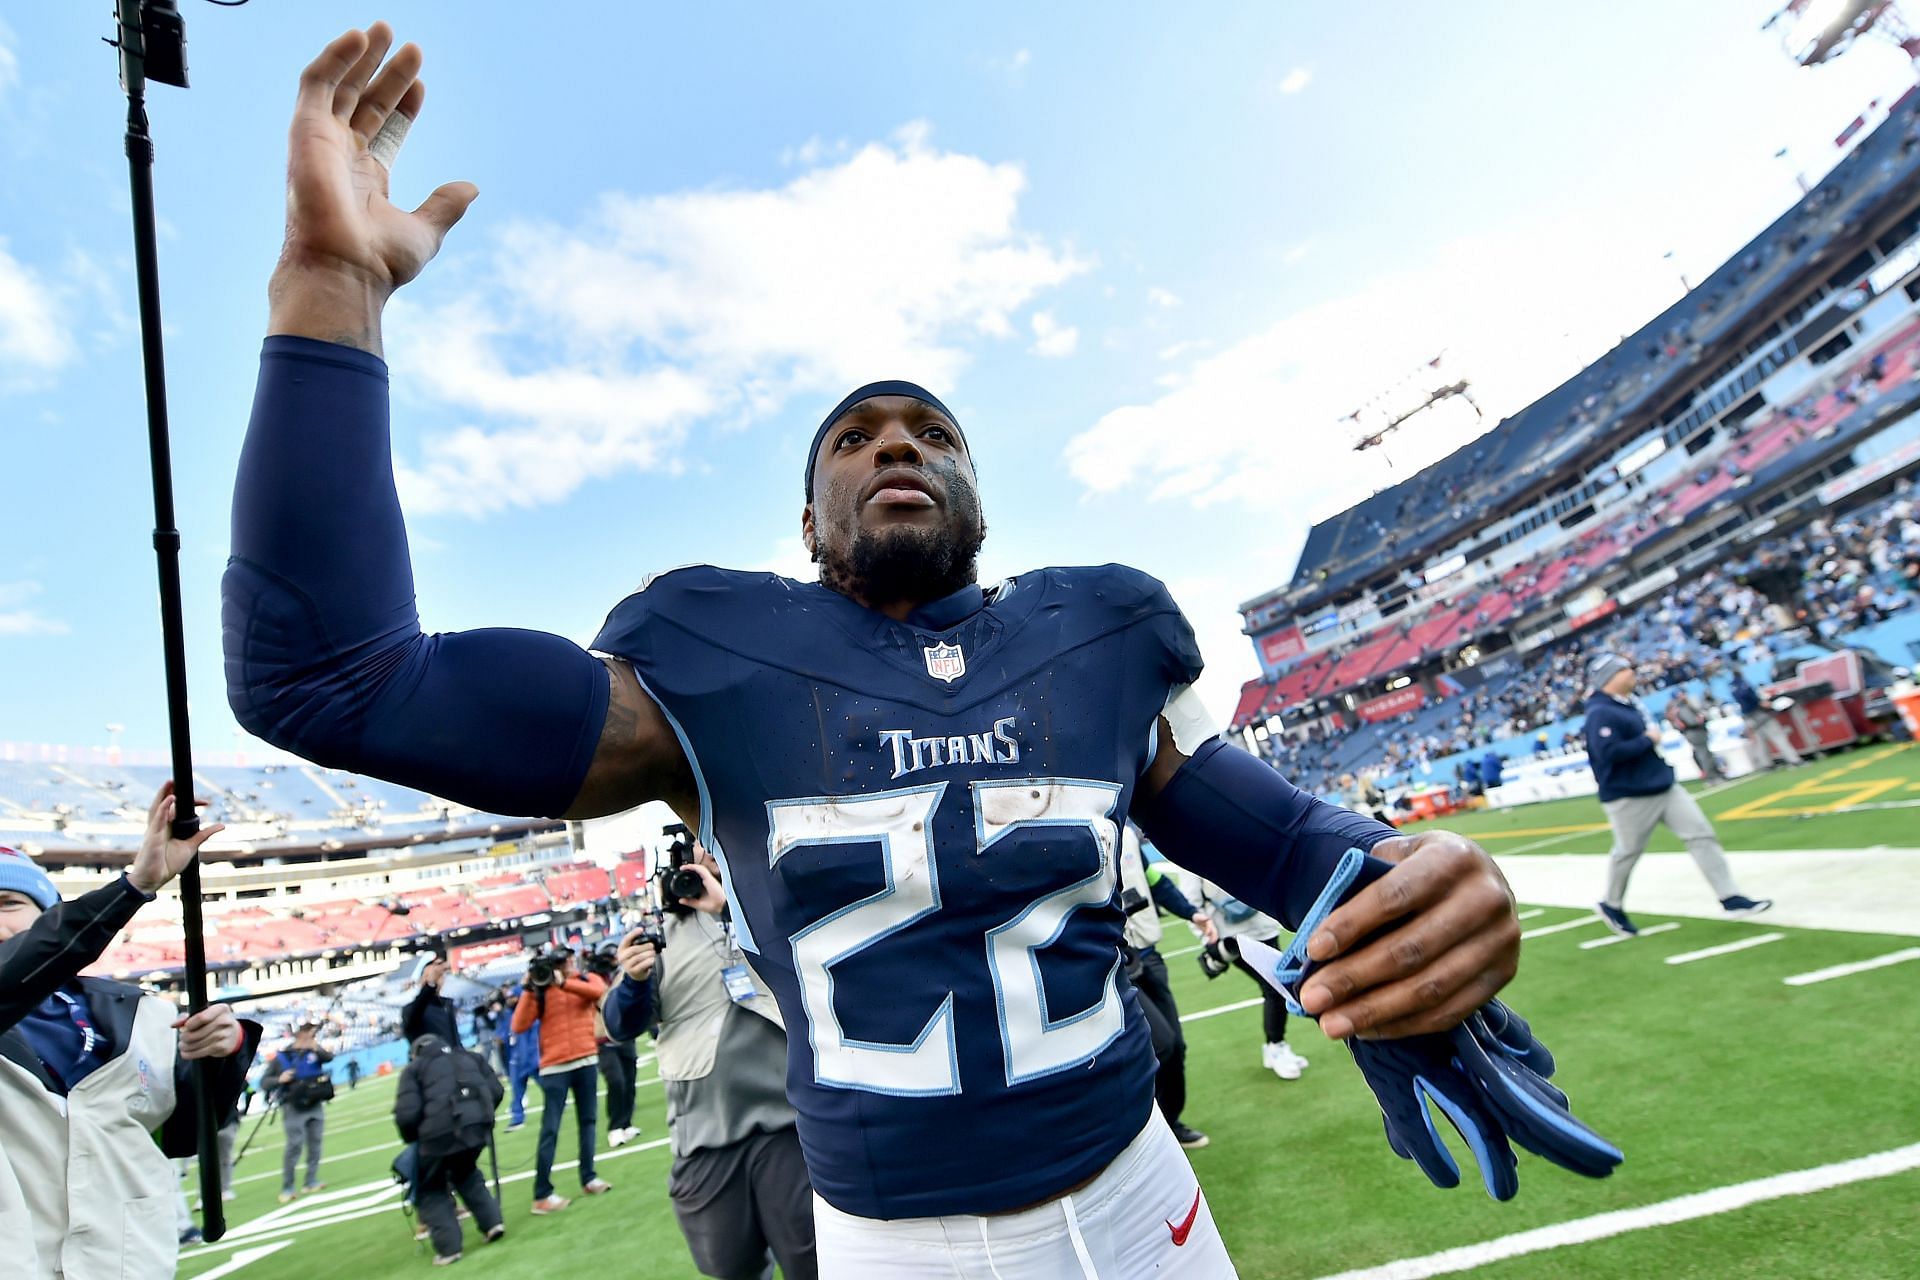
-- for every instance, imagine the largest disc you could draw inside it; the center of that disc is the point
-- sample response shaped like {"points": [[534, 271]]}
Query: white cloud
{"points": [[1517, 313], [16, 619], [1051, 338], [34, 335], [9, 61], [1296, 80], [1012, 65], [594, 347], [1296, 253], [1163, 297]]}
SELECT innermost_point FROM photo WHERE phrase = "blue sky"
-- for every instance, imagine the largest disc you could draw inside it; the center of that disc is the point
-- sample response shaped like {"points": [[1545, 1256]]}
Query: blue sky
{"points": [[1150, 256]]}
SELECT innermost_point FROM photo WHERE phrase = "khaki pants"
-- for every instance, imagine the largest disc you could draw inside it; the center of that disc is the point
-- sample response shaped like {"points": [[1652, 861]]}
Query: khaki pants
{"points": [[1769, 739], [1633, 819]]}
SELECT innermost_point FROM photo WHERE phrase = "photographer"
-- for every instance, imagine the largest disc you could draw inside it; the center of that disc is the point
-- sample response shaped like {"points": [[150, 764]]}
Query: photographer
{"points": [[619, 1062], [305, 1090], [430, 1013], [738, 1183], [95, 1072], [444, 1104], [1144, 892], [564, 1004]]}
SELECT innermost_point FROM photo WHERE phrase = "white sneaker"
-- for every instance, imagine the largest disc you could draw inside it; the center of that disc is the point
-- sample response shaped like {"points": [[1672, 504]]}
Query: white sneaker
{"points": [[1282, 1061], [615, 1137]]}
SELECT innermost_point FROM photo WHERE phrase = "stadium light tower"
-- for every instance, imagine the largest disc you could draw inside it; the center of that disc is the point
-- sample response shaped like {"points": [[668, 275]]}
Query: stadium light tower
{"points": [[1816, 31], [1387, 419]]}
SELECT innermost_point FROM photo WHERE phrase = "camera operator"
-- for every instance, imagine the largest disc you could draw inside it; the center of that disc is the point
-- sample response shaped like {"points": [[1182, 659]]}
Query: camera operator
{"points": [[444, 1105], [489, 1031], [738, 1182], [95, 1071], [306, 1087], [1144, 892], [619, 1061], [564, 1003], [430, 1013]]}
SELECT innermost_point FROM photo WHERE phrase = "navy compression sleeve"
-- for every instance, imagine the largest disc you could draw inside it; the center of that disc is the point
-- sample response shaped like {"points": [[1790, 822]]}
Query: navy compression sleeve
{"points": [[324, 652], [1234, 820], [1167, 896]]}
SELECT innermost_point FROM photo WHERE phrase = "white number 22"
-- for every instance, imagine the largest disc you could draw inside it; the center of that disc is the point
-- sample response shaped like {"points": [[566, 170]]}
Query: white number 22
{"points": [[1033, 1042]]}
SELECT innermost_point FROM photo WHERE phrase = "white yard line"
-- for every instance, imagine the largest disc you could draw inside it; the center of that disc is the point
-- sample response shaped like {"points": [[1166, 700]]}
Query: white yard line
{"points": [[533, 1109], [1726, 949], [1612, 938], [270, 1224], [1183, 951], [1858, 966], [1600, 1226], [1225, 1008], [1562, 927], [1532, 914]]}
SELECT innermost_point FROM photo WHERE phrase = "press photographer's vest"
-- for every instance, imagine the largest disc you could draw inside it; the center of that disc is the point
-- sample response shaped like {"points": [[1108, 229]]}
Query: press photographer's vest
{"points": [[84, 1189], [1143, 926], [692, 995]]}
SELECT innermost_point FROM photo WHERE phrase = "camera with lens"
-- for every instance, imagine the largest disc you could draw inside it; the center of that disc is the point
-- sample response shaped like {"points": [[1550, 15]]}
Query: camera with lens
{"points": [[602, 961], [548, 968], [679, 881], [1218, 957]]}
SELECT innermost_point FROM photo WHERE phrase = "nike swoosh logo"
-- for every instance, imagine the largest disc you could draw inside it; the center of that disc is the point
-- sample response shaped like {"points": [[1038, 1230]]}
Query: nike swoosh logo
{"points": [[1186, 1225]]}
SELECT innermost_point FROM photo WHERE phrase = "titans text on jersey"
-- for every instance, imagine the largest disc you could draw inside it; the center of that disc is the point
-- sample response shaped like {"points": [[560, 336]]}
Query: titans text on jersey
{"points": [[920, 844]]}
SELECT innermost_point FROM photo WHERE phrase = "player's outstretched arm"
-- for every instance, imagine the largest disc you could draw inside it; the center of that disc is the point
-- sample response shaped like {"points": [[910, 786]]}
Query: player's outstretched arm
{"points": [[347, 247], [1430, 935], [324, 650]]}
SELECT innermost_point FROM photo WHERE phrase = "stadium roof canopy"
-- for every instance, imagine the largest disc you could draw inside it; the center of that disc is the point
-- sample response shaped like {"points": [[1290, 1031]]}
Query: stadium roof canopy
{"points": [[1611, 397]]}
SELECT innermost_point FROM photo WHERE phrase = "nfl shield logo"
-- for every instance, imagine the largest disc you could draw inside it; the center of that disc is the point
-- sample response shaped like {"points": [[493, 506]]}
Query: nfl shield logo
{"points": [[946, 662]]}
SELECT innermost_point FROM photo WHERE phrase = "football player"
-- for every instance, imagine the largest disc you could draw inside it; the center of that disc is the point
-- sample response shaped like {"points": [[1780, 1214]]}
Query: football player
{"points": [[913, 784]]}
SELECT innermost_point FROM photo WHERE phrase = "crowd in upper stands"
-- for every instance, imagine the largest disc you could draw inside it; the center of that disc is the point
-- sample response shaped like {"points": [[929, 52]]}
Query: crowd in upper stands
{"points": [[1830, 578], [1436, 504]]}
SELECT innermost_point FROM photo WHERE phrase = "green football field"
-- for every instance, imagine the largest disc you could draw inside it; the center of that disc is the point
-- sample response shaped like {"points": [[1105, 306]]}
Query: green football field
{"points": [[1771, 1128]]}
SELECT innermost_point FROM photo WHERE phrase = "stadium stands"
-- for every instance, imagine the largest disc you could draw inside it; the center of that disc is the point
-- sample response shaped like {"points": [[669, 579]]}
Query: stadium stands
{"points": [[1591, 412]]}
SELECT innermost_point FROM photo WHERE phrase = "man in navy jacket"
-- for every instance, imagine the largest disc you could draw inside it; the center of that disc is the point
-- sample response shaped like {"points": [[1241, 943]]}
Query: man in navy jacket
{"points": [[1638, 791]]}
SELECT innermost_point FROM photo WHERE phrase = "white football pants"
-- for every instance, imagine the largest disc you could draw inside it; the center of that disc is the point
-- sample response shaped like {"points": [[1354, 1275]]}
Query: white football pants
{"points": [[1144, 1216]]}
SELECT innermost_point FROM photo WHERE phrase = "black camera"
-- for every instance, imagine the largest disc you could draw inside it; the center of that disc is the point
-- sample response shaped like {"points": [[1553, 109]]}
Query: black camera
{"points": [[679, 880], [548, 968], [602, 961]]}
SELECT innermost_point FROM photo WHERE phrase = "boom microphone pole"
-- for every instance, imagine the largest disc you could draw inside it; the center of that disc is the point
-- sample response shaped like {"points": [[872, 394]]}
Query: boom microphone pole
{"points": [[152, 44]]}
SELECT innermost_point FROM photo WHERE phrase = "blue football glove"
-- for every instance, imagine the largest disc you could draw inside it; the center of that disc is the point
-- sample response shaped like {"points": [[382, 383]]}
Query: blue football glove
{"points": [[1488, 1076]]}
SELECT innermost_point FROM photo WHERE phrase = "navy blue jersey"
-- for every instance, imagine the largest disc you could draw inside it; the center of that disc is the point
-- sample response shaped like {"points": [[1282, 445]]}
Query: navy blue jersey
{"points": [[918, 824]]}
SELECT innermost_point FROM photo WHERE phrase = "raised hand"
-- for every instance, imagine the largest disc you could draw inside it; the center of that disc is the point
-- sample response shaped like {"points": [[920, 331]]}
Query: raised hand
{"points": [[348, 247], [161, 857]]}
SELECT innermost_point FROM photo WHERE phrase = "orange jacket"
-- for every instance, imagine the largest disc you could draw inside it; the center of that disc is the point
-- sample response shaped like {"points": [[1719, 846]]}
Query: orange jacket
{"points": [[566, 1028]]}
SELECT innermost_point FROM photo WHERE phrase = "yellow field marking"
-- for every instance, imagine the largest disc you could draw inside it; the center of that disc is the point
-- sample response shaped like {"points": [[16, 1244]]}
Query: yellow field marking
{"points": [[1579, 829], [1762, 806]]}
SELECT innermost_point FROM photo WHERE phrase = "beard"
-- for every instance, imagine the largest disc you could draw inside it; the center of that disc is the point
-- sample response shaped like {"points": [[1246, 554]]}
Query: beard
{"points": [[882, 566]]}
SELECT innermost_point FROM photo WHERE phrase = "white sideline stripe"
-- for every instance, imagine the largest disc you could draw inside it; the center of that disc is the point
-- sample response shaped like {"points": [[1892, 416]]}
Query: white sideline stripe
{"points": [[1688, 957], [1183, 951], [1612, 938], [532, 1109], [261, 1229], [1531, 914], [1600, 1226], [1225, 1008], [1858, 966], [1562, 927]]}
